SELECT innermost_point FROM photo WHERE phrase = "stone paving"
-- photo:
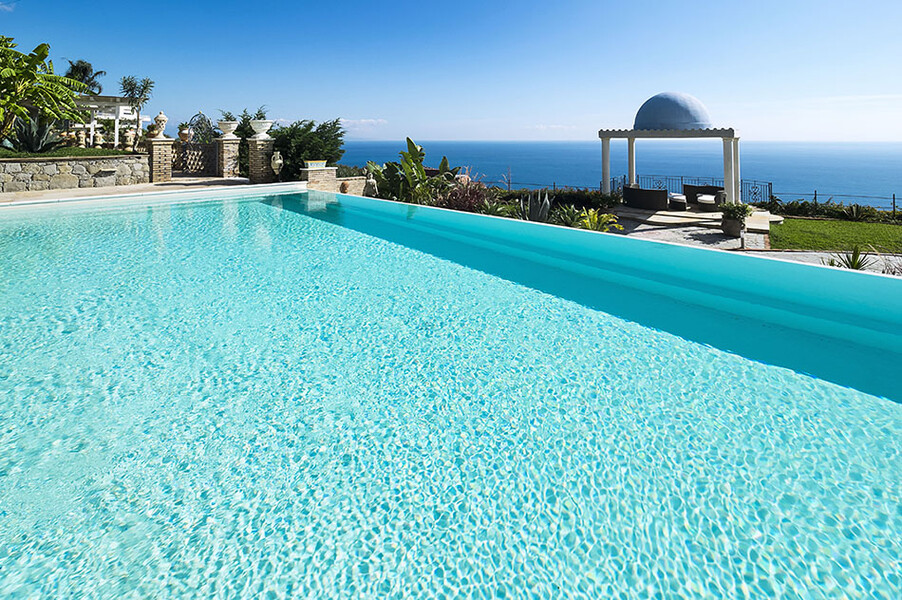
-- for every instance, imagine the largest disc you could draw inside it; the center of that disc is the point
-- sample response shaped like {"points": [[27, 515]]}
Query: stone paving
{"points": [[694, 235]]}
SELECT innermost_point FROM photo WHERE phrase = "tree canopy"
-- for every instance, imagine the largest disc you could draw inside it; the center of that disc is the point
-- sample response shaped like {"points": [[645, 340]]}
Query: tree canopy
{"points": [[29, 87], [83, 71]]}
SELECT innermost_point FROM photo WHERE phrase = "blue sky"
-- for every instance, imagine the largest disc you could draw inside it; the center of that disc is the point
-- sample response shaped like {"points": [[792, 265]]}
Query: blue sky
{"points": [[511, 70]]}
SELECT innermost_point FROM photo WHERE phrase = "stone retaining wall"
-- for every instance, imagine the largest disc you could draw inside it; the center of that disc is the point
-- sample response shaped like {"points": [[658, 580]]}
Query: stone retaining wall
{"points": [[55, 173], [354, 185], [323, 179]]}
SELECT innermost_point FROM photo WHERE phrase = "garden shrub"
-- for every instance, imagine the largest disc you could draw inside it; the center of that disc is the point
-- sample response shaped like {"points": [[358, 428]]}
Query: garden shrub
{"points": [[305, 140]]}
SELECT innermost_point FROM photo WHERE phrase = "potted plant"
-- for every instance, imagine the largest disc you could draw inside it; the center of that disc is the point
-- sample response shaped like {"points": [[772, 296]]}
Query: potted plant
{"points": [[315, 164], [184, 132], [733, 218]]}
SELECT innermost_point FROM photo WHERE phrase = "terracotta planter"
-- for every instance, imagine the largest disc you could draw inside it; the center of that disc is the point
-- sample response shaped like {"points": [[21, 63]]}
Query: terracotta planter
{"points": [[732, 227]]}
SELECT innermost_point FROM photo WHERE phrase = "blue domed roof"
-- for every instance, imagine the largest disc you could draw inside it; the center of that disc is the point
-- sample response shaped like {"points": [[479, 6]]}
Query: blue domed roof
{"points": [[672, 111]]}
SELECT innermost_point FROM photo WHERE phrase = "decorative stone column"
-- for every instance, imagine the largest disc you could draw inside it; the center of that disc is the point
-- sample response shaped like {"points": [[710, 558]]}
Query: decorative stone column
{"points": [[259, 156], [728, 184], [606, 165], [227, 156], [160, 150], [631, 146]]}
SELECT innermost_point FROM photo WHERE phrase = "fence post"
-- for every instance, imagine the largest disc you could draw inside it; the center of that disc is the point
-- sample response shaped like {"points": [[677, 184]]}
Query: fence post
{"points": [[894, 207], [815, 196]]}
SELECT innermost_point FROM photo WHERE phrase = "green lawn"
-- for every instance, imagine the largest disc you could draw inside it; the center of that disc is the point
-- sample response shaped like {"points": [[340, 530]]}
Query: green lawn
{"points": [[809, 234], [64, 151]]}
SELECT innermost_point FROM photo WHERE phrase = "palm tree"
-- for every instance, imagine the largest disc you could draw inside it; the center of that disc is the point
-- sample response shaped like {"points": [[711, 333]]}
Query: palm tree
{"points": [[138, 93], [83, 71]]}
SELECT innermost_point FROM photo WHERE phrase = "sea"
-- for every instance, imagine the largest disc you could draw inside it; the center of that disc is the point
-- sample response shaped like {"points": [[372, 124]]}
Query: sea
{"points": [[866, 173]]}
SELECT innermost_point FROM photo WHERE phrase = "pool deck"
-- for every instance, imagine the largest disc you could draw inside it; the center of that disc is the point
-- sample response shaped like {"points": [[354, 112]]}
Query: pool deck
{"points": [[759, 222]]}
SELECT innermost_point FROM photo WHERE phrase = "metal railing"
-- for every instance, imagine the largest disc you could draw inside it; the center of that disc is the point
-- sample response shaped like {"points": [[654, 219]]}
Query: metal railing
{"points": [[752, 190]]}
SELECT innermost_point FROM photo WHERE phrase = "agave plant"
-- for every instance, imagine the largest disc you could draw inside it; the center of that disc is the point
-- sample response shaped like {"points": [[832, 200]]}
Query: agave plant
{"points": [[566, 215], [857, 212], [33, 135], [596, 220], [855, 259], [535, 208]]}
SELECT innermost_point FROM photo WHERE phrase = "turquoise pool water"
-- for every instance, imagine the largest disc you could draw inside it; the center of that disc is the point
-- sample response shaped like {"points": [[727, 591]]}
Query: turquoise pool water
{"points": [[319, 396]]}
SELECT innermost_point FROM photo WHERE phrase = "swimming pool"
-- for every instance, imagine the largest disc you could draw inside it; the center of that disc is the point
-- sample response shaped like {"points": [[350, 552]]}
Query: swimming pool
{"points": [[309, 394]]}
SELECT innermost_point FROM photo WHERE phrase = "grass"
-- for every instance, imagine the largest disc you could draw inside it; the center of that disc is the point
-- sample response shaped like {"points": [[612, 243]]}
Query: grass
{"points": [[811, 234], [66, 151]]}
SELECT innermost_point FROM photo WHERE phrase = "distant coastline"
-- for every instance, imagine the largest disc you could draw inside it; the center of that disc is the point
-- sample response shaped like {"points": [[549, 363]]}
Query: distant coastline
{"points": [[867, 173]]}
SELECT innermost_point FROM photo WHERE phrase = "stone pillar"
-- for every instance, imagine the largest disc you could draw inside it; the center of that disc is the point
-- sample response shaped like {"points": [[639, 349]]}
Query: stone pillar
{"points": [[160, 151], [260, 155], [321, 178], [737, 194], [632, 160], [728, 186], [606, 165], [227, 156]]}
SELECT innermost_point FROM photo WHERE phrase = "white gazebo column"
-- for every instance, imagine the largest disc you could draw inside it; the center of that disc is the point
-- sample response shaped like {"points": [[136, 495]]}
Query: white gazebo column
{"points": [[632, 160], [606, 165], [737, 181], [729, 184], [93, 123]]}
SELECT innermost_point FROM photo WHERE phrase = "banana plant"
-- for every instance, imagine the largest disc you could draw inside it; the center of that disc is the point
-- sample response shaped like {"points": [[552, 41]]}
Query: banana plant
{"points": [[407, 180]]}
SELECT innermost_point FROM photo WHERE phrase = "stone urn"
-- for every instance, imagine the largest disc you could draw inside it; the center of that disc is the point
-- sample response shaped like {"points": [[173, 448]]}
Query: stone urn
{"points": [[98, 139], [81, 138], [184, 134], [260, 127], [160, 121], [276, 162], [128, 140], [228, 129]]}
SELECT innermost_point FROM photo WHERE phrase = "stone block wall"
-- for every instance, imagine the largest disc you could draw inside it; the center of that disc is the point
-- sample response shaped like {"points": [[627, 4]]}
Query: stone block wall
{"points": [[351, 185], [64, 172]]}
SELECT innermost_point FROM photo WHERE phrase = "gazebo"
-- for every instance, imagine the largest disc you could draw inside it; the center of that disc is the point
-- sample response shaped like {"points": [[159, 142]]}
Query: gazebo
{"points": [[116, 108], [669, 116]]}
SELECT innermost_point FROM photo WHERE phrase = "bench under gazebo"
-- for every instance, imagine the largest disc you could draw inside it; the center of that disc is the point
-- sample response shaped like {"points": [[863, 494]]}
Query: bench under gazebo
{"points": [[674, 116]]}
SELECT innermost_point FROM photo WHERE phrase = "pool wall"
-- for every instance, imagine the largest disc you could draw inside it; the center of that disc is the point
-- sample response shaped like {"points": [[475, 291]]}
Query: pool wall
{"points": [[819, 320]]}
